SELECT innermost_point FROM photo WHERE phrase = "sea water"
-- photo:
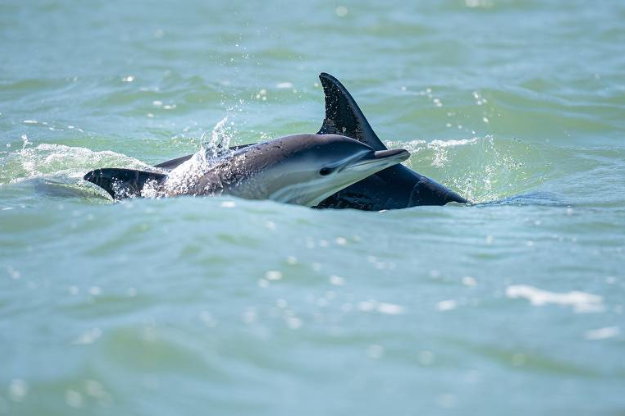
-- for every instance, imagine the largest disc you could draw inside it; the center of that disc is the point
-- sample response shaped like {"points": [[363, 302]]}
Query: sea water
{"points": [[220, 306]]}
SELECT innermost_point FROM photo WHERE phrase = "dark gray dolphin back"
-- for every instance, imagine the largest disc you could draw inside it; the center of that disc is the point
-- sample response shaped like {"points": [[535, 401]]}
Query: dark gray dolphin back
{"points": [[396, 187], [174, 163]]}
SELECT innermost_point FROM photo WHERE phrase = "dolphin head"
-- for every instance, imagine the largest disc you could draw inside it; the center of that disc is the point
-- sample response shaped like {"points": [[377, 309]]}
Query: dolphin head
{"points": [[314, 167]]}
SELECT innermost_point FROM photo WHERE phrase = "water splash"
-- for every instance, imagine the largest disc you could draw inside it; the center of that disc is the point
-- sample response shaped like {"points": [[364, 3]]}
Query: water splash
{"points": [[441, 149], [56, 170], [219, 143], [481, 169], [56, 160], [186, 177]]}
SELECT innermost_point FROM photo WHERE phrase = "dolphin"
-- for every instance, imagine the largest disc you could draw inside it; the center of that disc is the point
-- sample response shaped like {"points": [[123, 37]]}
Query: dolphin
{"points": [[393, 188], [302, 169], [396, 187]]}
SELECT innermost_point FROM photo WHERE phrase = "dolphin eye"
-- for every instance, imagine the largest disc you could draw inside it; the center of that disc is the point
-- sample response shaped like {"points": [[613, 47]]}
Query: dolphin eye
{"points": [[325, 171]]}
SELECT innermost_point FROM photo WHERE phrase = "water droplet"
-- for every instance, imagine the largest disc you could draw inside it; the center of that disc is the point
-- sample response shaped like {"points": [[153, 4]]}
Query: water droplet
{"points": [[602, 333], [273, 275], [337, 280], [341, 11], [18, 389], [426, 357], [73, 398], [446, 305], [293, 322], [375, 351], [469, 281]]}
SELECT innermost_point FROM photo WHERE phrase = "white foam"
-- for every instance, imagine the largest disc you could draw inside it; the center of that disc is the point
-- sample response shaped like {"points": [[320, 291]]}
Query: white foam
{"points": [[438, 147], [390, 309], [436, 144], [273, 275], [446, 305], [579, 301], [88, 337], [56, 160], [18, 389], [381, 307], [186, 177], [337, 280], [602, 333]]}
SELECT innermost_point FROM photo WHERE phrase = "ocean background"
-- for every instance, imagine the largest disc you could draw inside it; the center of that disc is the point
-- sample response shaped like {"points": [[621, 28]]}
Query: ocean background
{"points": [[219, 306]]}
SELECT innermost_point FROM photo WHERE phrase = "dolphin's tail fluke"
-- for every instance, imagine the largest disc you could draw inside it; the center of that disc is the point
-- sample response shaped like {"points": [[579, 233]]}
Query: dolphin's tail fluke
{"points": [[343, 116], [123, 183]]}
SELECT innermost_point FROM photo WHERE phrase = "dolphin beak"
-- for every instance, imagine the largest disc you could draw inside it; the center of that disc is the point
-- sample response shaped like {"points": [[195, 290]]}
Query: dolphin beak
{"points": [[398, 155], [379, 160]]}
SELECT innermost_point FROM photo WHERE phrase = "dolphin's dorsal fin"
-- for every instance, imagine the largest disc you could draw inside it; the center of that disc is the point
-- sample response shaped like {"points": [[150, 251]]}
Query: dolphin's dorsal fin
{"points": [[343, 116], [174, 163], [123, 183]]}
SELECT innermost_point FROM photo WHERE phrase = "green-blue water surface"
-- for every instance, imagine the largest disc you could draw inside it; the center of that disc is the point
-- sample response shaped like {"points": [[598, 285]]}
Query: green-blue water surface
{"points": [[222, 306]]}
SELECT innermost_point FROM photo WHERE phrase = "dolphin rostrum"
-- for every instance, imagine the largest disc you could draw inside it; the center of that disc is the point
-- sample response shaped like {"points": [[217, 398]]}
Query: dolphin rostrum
{"points": [[302, 169], [393, 188]]}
